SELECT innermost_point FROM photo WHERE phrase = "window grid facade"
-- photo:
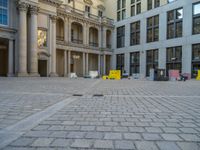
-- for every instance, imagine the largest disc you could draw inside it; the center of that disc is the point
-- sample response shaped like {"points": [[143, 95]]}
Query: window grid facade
{"points": [[152, 60], [153, 29], [174, 23], [134, 63], [135, 7], [196, 18], [4, 12], [121, 37], [152, 4], [174, 58], [195, 59], [135, 33]]}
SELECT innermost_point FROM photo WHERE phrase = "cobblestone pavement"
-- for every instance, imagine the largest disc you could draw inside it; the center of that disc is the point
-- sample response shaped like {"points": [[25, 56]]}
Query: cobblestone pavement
{"points": [[42, 113]]}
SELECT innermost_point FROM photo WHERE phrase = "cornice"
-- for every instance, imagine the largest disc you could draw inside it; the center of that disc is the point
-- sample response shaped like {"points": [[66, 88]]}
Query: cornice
{"points": [[55, 3]]}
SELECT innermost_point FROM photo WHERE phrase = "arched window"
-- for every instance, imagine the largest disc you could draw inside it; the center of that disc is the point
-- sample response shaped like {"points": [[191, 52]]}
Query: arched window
{"points": [[4, 12]]}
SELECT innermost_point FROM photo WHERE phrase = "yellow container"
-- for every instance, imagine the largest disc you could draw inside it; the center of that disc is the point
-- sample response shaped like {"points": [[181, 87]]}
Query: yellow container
{"points": [[105, 77], [198, 76], [115, 74]]}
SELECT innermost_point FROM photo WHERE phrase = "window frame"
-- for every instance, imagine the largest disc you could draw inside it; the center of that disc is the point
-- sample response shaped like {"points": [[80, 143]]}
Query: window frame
{"points": [[153, 62], [152, 28], [174, 23], [197, 16], [134, 33], [134, 65], [8, 8], [121, 36]]}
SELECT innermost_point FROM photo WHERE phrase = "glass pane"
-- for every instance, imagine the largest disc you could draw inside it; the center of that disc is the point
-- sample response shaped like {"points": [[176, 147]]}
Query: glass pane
{"points": [[118, 4], [149, 22], [179, 29], [196, 9], [170, 15], [133, 10], [196, 25], [132, 1], [149, 5], [156, 34], [156, 20], [123, 3], [179, 14], [170, 31]]}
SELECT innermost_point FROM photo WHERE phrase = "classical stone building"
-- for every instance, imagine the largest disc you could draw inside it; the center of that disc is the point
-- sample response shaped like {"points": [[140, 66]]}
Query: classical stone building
{"points": [[54, 37]]}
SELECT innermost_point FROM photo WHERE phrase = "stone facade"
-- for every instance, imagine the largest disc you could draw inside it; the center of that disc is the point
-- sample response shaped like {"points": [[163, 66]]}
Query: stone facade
{"points": [[55, 38]]}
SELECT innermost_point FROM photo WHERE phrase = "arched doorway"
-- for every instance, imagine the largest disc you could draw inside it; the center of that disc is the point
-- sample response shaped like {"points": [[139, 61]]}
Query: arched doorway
{"points": [[77, 33], [93, 37], [60, 29]]}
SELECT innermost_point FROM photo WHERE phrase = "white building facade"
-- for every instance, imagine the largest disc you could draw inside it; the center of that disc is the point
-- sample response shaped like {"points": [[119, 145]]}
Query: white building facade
{"points": [[157, 34]]}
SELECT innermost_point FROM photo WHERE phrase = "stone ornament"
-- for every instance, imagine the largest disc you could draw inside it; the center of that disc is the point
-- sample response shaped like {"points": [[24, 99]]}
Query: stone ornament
{"points": [[22, 6], [34, 9]]}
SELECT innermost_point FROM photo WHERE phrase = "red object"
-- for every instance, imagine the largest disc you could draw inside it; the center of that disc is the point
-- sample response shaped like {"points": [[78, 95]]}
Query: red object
{"points": [[174, 74]]}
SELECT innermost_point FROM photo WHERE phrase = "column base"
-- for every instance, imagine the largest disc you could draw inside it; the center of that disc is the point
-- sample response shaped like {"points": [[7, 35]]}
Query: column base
{"points": [[66, 75], [10, 75], [34, 75], [22, 74], [53, 74]]}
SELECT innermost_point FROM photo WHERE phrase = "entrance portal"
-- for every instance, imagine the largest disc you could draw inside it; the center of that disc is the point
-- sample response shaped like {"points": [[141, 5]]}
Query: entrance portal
{"points": [[42, 68]]}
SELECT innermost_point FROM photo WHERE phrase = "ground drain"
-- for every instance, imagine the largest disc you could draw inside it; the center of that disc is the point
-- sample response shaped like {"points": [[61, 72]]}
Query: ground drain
{"points": [[98, 95], [78, 95]]}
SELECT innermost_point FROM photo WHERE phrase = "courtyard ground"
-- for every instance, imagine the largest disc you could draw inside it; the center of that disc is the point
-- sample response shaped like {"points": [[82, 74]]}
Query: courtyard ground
{"points": [[59, 113]]}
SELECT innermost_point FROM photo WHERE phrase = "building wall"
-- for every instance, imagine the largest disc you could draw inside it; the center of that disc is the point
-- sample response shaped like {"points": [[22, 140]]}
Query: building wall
{"points": [[185, 41]]}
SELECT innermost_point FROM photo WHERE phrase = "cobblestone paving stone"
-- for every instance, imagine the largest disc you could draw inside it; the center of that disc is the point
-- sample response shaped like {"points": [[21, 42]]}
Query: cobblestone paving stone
{"points": [[136, 115]]}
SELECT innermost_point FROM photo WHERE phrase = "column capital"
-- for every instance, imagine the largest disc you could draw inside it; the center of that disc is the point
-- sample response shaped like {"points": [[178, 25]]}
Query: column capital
{"points": [[53, 18], [34, 9], [22, 6]]}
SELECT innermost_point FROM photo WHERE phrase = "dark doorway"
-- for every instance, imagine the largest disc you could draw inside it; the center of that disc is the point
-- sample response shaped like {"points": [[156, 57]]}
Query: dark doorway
{"points": [[42, 68], [3, 57]]}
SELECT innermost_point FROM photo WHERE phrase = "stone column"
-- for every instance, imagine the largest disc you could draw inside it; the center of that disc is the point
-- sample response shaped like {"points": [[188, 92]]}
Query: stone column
{"points": [[65, 63], [104, 38], [85, 34], [87, 59], [53, 47], [99, 37], [10, 59], [99, 64], [66, 30], [22, 67], [84, 64], [104, 64], [69, 62], [69, 30], [33, 42]]}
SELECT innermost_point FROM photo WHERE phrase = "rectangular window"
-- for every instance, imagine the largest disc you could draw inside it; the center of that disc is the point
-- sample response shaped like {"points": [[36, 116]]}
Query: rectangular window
{"points": [[151, 60], [174, 23], [4, 12], [135, 7], [149, 4], [100, 13], [121, 9], [123, 3], [118, 4], [121, 37], [120, 62], [138, 8], [135, 33], [196, 18], [133, 10], [153, 29], [123, 14], [156, 3], [174, 58], [134, 63], [195, 59]]}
